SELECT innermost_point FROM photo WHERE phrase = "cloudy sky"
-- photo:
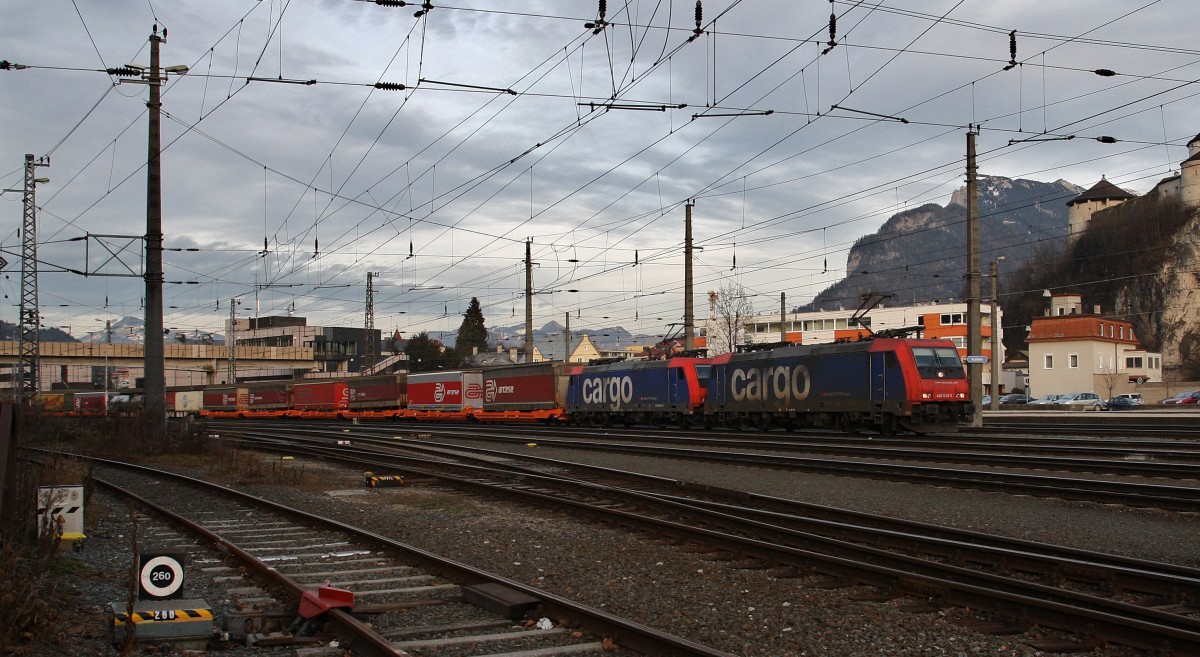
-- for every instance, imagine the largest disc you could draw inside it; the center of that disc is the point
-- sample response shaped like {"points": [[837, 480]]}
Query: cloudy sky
{"points": [[288, 175]]}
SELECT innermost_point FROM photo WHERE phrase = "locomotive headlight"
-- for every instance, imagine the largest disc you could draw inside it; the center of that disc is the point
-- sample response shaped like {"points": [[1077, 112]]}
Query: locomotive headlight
{"points": [[926, 395]]}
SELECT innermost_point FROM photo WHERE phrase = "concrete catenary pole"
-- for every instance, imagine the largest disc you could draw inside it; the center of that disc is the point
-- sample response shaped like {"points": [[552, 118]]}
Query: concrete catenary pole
{"points": [[154, 382], [528, 301], [783, 316], [974, 320], [689, 314], [995, 405]]}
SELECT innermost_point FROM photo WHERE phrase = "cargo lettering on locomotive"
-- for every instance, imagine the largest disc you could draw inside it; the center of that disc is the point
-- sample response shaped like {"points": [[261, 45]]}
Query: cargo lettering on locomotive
{"points": [[780, 383], [612, 390]]}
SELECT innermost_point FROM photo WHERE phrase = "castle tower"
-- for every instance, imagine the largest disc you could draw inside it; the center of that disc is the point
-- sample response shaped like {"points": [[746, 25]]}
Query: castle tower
{"points": [[1102, 195], [1189, 173]]}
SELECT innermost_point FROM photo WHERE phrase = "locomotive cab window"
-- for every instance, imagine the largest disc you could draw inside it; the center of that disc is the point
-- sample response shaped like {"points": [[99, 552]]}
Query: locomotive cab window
{"points": [[702, 372], [938, 363]]}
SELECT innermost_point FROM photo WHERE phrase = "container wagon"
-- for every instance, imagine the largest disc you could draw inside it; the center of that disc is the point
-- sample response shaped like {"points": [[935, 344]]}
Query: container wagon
{"points": [[450, 392], [384, 392], [532, 392], [330, 396], [90, 402], [226, 399], [270, 396], [186, 401], [53, 402]]}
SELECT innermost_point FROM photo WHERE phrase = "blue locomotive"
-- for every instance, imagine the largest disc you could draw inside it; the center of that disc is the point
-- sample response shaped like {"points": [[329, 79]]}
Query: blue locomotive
{"points": [[885, 385]]}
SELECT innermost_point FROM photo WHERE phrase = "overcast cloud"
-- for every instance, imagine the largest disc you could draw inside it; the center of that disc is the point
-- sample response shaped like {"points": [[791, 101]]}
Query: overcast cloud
{"points": [[342, 179]]}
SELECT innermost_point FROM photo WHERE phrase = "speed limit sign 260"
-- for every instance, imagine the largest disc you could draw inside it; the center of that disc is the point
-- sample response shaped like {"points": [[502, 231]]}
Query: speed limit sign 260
{"points": [[160, 575]]}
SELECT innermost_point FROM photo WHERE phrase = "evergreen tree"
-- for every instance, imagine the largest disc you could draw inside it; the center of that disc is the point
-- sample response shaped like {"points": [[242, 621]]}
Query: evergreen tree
{"points": [[426, 354], [472, 334]]}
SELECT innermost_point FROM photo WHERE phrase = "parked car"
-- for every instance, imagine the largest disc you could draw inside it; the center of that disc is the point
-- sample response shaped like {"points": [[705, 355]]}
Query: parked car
{"points": [[1125, 402], [1090, 401], [987, 401], [1014, 398], [1046, 399], [1185, 397]]}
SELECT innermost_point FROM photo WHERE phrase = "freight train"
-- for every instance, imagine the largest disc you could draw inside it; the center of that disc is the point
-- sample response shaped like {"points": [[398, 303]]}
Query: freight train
{"points": [[886, 385]]}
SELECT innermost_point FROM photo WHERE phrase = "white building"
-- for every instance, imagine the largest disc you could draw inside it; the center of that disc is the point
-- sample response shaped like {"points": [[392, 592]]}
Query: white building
{"points": [[937, 320], [1070, 351]]}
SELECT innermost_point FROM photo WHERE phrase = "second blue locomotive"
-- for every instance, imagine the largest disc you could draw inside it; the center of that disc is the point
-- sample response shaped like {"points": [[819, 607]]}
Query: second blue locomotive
{"points": [[661, 392]]}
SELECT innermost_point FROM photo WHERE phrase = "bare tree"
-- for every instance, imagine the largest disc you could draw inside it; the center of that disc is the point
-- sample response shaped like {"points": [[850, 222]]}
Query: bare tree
{"points": [[731, 310], [1109, 378]]}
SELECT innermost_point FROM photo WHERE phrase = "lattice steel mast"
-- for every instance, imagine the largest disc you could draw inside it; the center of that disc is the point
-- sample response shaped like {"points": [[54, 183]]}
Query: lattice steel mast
{"points": [[369, 325], [28, 361]]}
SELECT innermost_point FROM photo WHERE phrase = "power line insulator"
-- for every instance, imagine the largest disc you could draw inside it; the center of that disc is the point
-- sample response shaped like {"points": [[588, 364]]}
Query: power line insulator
{"points": [[391, 3], [390, 86], [1104, 72], [832, 30], [124, 71], [600, 23], [1012, 51], [699, 19]]}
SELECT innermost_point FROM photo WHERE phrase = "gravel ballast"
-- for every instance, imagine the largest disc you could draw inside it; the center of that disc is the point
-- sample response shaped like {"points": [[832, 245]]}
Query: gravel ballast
{"points": [[743, 612]]}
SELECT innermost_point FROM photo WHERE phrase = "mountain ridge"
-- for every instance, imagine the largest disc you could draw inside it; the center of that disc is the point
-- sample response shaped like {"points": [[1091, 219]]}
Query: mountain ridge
{"points": [[910, 254]]}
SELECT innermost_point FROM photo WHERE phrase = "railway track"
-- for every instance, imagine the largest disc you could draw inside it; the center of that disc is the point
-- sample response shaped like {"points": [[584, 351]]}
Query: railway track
{"points": [[984, 448], [1140, 457], [1099, 596], [1141, 424], [1133, 481], [448, 608]]}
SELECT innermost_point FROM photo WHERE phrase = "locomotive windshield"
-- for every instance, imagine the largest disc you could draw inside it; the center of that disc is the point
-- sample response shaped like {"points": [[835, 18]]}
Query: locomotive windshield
{"points": [[938, 363]]}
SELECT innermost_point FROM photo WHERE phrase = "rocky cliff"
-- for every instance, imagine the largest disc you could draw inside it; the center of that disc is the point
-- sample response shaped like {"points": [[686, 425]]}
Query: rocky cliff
{"points": [[1179, 326], [921, 254]]}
